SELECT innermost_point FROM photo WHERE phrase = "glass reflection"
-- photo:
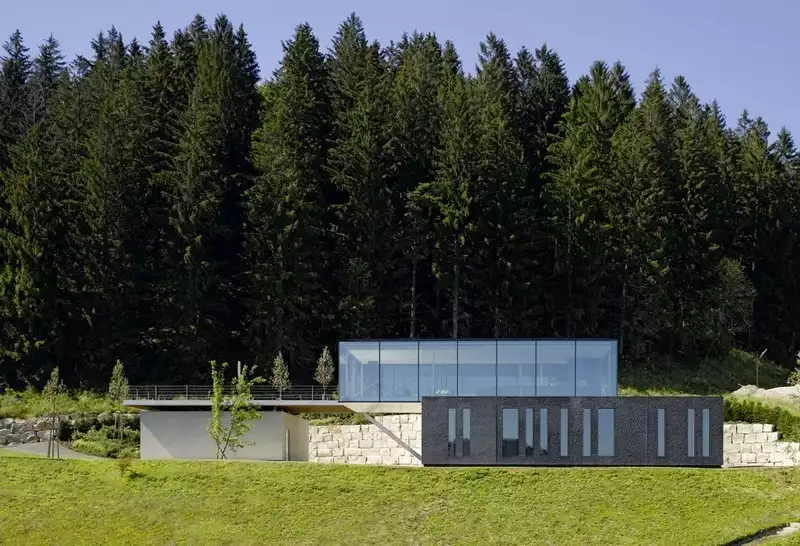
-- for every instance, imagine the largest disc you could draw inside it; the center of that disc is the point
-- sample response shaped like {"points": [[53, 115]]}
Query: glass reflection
{"points": [[516, 368], [466, 431], [405, 371], [510, 447], [359, 373], [605, 432], [555, 368], [438, 368], [596, 368], [451, 432], [529, 432], [399, 371], [477, 370]]}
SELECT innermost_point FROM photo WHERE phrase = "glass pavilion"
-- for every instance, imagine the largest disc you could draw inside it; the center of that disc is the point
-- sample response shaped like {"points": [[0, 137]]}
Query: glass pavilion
{"points": [[407, 370]]}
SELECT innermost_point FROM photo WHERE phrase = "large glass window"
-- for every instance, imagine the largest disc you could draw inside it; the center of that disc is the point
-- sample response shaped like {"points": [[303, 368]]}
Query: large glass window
{"points": [[516, 368], [399, 371], [596, 368], [477, 370], [555, 368], [359, 373], [438, 368], [510, 432]]}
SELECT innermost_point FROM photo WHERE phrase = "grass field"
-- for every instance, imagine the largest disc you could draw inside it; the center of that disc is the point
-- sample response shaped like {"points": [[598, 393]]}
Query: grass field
{"points": [[88, 502]]}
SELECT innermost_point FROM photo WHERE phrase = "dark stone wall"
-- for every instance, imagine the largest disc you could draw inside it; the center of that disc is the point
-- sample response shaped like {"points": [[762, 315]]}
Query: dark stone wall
{"points": [[635, 431]]}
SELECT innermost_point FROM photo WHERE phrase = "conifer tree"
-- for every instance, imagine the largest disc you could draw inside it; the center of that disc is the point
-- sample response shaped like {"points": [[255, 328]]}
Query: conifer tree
{"points": [[366, 244], [288, 306]]}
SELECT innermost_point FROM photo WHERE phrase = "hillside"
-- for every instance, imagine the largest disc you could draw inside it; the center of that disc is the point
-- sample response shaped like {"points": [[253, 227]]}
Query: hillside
{"points": [[82, 502]]}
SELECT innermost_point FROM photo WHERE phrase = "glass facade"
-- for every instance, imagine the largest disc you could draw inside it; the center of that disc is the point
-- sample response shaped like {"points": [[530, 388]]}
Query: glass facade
{"points": [[405, 371]]}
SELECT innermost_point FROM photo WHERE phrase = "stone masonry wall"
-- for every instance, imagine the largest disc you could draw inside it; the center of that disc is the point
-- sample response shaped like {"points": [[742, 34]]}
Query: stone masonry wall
{"points": [[744, 444], [757, 445], [367, 444], [22, 431], [37, 429]]}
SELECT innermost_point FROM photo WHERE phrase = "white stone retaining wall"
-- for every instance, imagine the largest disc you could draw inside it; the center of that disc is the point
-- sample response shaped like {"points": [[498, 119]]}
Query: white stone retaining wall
{"points": [[367, 444], [757, 445]]}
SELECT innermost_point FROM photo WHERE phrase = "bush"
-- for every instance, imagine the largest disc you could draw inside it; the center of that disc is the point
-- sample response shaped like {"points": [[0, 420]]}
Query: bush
{"points": [[103, 441], [90, 447], [128, 453], [752, 411]]}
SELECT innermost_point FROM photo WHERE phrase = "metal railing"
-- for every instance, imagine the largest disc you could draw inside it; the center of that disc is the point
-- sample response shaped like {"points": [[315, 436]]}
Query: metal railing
{"points": [[203, 392]]}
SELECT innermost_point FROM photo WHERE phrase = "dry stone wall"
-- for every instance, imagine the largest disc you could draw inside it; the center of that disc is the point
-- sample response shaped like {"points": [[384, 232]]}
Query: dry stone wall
{"points": [[757, 445], [367, 444], [22, 431]]}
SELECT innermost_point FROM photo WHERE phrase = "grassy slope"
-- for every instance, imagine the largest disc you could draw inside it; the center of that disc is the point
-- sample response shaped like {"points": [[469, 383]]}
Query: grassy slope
{"points": [[705, 376], [81, 502]]}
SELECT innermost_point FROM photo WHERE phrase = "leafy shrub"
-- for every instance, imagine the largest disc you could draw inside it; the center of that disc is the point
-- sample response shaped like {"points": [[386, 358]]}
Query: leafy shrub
{"points": [[104, 441], [98, 449], [752, 411], [128, 453]]}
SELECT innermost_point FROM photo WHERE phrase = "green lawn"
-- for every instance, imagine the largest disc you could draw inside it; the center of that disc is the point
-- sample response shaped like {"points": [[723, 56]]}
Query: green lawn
{"points": [[88, 502]]}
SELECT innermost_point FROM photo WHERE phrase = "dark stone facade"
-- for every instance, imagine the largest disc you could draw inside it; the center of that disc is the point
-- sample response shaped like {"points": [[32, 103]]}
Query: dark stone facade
{"points": [[621, 431]]}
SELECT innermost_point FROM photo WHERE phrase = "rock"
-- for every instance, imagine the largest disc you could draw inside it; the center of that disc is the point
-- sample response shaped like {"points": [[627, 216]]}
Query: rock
{"points": [[15, 439], [18, 427], [29, 437]]}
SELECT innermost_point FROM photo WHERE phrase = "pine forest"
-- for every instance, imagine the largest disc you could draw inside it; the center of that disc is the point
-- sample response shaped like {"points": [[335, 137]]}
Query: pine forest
{"points": [[166, 204]]}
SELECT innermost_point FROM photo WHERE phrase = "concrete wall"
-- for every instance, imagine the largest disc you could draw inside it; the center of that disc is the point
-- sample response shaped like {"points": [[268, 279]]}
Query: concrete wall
{"points": [[367, 444], [183, 435], [758, 445]]}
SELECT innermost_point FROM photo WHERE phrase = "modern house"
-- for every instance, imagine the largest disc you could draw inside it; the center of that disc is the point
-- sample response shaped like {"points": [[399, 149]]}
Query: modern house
{"points": [[482, 402], [528, 402]]}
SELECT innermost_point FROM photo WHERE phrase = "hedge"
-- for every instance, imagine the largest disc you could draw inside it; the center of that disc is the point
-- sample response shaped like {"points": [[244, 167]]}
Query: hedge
{"points": [[751, 411]]}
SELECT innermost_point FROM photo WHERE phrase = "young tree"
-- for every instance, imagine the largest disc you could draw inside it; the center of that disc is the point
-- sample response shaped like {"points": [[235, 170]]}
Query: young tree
{"points": [[52, 390], [280, 375], [118, 391], [324, 372], [238, 405]]}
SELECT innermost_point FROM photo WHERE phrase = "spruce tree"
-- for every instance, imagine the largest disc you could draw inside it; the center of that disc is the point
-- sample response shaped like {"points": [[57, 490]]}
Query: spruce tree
{"points": [[357, 161], [414, 134], [287, 260], [15, 112]]}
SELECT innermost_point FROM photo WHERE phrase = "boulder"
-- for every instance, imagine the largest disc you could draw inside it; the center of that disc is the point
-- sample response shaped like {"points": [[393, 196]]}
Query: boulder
{"points": [[29, 437], [18, 427]]}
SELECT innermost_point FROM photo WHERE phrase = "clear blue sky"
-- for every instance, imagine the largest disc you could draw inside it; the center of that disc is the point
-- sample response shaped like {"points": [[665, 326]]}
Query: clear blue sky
{"points": [[742, 53]]}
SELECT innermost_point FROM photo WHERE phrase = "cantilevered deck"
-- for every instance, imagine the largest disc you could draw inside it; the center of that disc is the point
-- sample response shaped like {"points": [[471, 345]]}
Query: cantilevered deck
{"points": [[297, 399]]}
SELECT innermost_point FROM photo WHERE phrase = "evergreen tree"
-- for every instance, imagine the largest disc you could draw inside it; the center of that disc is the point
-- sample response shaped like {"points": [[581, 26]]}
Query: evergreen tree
{"points": [[15, 112], [502, 206], [357, 161], [288, 305], [448, 198], [414, 134]]}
